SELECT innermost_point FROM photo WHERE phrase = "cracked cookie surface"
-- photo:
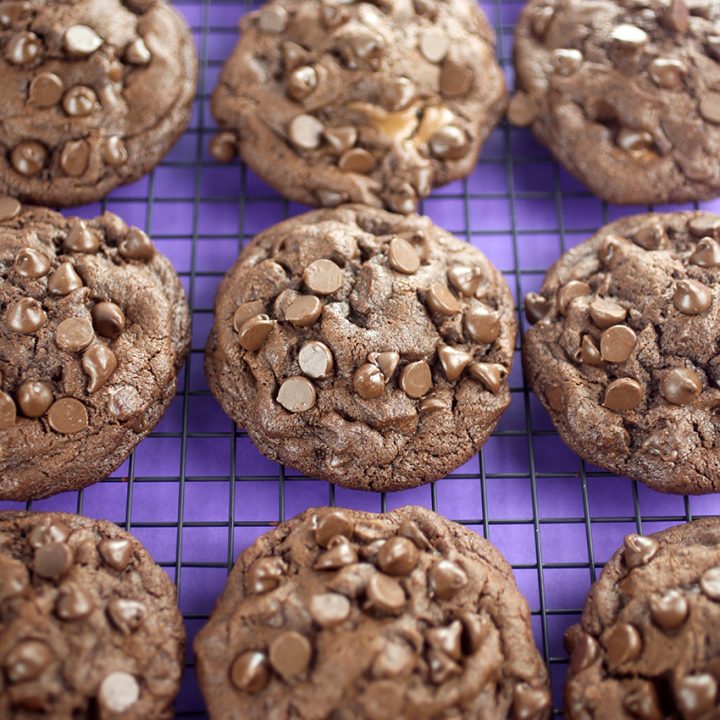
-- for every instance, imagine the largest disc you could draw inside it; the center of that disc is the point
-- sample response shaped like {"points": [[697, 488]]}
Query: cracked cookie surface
{"points": [[374, 103], [625, 95], [95, 93], [363, 347], [94, 326], [648, 645], [345, 614], [88, 622], [623, 351]]}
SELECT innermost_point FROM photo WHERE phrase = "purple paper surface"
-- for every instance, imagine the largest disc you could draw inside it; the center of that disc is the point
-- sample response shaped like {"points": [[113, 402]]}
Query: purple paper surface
{"points": [[196, 492]]}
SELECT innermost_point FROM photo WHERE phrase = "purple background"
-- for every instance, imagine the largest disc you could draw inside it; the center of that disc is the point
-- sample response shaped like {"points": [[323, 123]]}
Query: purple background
{"points": [[196, 492]]}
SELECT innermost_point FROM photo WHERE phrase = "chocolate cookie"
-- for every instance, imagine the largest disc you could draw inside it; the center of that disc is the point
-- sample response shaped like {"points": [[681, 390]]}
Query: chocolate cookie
{"points": [[94, 326], [624, 350], [334, 102], [88, 622], [648, 646], [345, 614], [625, 94], [94, 93], [363, 347]]}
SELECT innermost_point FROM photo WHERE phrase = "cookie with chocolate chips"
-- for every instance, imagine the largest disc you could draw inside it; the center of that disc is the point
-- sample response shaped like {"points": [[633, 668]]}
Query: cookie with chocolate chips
{"points": [[88, 622], [648, 645], [623, 353], [94, 326], [334, 102], [346, 614], [94, 93], [625, 94], [363, 347]]}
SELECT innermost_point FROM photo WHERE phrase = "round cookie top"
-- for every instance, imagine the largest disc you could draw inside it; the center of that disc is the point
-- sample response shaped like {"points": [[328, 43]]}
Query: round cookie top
{"points": [[625, 94], [94, 326], [648, 645], [94, 94], [623, 353], [334, 102], [339, 613], [88, 622], [363, 347]]}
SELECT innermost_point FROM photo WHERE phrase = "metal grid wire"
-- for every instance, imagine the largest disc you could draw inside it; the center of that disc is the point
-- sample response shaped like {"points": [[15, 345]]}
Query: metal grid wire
{"points": [[196, 492]]}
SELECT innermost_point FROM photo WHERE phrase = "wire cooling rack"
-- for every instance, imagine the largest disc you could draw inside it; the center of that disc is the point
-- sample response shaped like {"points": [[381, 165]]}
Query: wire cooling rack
{"points": [[196, 492]]}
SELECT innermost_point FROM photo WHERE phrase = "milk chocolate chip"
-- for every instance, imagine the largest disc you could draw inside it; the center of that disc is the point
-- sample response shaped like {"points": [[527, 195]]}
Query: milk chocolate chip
{"points": [[297, 394]]}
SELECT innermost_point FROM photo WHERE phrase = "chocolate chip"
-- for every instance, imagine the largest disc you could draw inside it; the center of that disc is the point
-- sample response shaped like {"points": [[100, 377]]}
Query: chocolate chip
{"points": [[695, 695], [126, 615], [98, 363], [303, 311], [255, 331], [416, 379], [108, 319], [464, 279], [447, 639], [566, 61], [529, 703], [46, 90], [13, 578], [446, 579], [25, 316], [629, 37], [53, 560], [136, 245], [669, 611], [667, 73], [332, 15], [643, 703], [73, 603], [540, 20], [67, 416], [223, 147], [441, 301], [706, 254], [623, 644], [385, 594], [75, 157], [80, 101], [48, 531], [8, 411], [273, 19], [482, 324], [681, 386], [13, 12], [340, 554], [704, 225], [361, 48], [403, 257], [306, 132], [323, 277], [398, 93], [341, 138], [302, 82], [617, 343], [29, 263], [118, 692], [352, 580], [448, 143], [246, 311], [589, 353], [634, 141], [676, 17], [456, 79], [34, 398], [651, 237], [491, 375], [117, 553], [329, 609], [710, 106], [81, 239], [294, 55], [27, 661], [398, 556], [453, 361], [316, 360], [330, 198], [137, 53], [357, 160], [434, 44], [265, 575], [297, 394], [569, 292], [250, 672], [9, 208], [74, 334], [522, 110], [28, 158], [639, 550], [23, 48], [369, 381], [386, 361], [290, 654], [585, 652], [81, 40], [691, 297], [396, 659], [536, 307], [623, 394], [331, 525], [710, 583]]}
